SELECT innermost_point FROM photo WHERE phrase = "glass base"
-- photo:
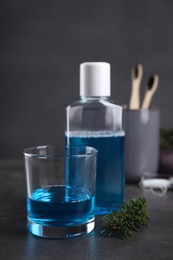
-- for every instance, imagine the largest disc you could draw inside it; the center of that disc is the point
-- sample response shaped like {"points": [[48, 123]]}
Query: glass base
{"points": [[61, 231]]}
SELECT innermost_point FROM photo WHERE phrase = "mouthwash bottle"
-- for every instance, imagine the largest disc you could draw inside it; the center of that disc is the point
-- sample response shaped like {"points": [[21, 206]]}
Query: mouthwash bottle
{"points": [[96, 121]]}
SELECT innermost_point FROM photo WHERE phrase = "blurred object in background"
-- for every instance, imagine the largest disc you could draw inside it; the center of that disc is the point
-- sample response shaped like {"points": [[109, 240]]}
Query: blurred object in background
{"points": [[166, 151]]}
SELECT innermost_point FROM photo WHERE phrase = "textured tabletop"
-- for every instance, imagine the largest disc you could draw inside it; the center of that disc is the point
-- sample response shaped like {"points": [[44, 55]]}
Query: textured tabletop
{"points": [[153, 242]]}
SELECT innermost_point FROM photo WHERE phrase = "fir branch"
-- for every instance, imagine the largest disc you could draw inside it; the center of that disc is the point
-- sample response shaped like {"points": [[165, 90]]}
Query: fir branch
{"points": [[130, 219]]}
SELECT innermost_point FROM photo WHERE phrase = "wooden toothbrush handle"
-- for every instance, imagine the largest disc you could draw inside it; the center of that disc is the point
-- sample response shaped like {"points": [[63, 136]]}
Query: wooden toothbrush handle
{"points": [[134, 99], [147, 100]]}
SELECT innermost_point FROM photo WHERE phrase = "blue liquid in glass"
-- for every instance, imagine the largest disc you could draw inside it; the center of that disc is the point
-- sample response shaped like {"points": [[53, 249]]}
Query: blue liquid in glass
{"points": [[60, 205], [110, 167]]}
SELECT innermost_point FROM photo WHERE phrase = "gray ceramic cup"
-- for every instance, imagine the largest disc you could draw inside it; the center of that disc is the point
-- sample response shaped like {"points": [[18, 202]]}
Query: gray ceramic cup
{"points": [[141, 142]]}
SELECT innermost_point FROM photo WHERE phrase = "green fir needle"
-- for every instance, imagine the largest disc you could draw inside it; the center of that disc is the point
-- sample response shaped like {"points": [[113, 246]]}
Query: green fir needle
{"points": [[130, 219]]}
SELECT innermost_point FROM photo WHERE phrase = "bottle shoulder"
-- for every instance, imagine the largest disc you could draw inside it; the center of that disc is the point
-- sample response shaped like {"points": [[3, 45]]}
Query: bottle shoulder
{"points": [[99, 103], [98, 115]]}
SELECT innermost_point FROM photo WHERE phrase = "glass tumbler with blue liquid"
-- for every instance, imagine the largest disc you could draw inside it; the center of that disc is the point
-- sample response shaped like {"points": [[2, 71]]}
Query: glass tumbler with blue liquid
{"points": [[60, 190]]}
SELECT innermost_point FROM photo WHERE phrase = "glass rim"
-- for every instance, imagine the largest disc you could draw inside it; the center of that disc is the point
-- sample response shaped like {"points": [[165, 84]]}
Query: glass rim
{"points": [[29, 152]]}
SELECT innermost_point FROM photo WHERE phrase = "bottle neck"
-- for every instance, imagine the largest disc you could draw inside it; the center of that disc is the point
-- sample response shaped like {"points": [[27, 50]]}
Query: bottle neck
{"points": [[84, 98]]}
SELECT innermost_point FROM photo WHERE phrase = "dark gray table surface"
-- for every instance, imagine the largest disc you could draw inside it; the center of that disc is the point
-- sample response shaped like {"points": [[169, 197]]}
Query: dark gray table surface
{"points": [[153, 242]]}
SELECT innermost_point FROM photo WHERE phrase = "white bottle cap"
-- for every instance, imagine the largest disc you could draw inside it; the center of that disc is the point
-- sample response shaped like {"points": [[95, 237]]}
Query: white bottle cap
{"points": [[95, 79]]}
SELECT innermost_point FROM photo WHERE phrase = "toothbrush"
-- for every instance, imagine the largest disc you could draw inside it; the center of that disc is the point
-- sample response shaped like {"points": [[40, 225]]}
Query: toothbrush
{"points": [[152, 86], [136, 75]]}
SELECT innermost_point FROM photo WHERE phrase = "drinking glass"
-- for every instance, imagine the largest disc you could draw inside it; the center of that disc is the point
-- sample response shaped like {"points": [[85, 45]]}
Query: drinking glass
{"points": [[60, 190]]}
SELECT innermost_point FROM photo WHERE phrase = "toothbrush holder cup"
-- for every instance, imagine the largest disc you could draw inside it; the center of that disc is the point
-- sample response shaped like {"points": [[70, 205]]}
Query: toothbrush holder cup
{"points": [[141, 142]]}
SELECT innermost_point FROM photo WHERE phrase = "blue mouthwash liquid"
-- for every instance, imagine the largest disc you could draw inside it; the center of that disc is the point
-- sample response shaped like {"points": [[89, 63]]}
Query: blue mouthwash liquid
{"points": [[110, 167], [60, 205]]}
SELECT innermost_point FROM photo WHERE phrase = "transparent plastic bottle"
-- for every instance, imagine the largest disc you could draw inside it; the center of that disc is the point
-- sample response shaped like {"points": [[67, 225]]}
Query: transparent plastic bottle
{"points": [[96, 121]]}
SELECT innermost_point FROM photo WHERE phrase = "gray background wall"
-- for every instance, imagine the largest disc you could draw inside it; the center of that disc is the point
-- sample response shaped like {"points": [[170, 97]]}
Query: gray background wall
{"points": [[42, 44]]}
